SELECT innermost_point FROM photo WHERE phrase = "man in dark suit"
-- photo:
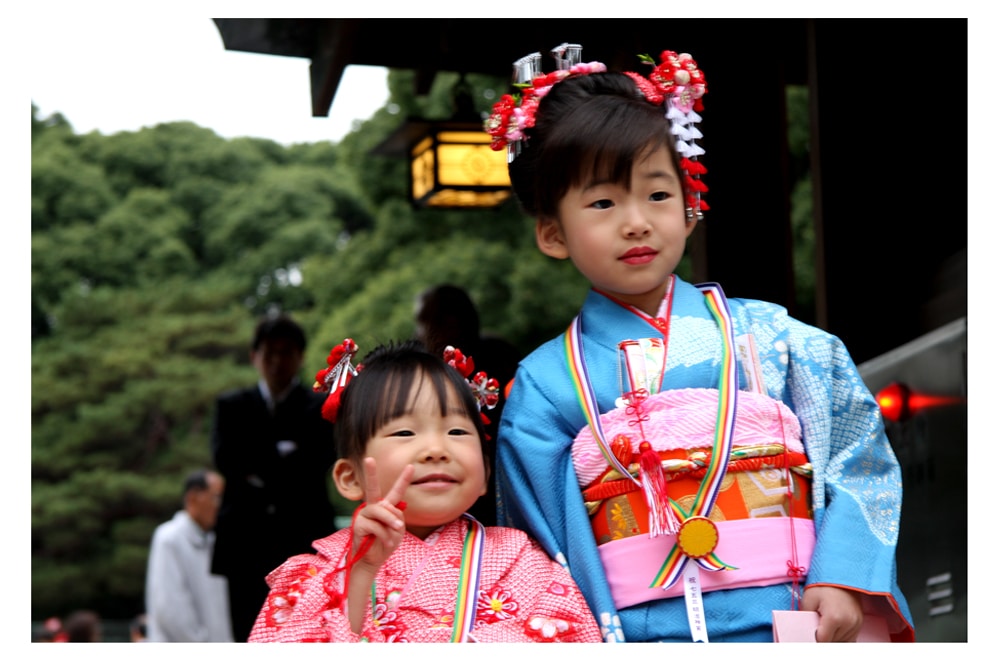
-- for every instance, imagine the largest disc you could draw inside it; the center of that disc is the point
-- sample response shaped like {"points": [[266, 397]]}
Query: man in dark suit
{"points": [[274, 449]]}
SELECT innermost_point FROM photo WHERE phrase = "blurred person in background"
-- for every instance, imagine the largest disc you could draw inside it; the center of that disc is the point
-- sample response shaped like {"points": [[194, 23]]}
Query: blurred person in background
{"points": [[139, 629], [51, 631], [183, 600], [82, 626], [274, 449]]}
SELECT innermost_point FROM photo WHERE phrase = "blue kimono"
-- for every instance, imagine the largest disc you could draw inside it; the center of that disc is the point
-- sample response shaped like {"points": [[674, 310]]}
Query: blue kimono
{"points": [[857, 483]]}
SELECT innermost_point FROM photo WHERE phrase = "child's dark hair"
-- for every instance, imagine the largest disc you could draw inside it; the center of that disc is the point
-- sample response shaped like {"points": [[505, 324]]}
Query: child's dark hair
{"points": [[385, 387], [587, 127]]}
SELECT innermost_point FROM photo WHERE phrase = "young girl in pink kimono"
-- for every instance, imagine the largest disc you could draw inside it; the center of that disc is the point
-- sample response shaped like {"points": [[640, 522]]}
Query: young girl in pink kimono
{"points": [[414, 567]]}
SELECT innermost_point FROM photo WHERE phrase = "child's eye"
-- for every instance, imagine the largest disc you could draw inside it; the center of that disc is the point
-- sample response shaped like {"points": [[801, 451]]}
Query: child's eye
{"points": [[659, 196], [458, 432], [402, 432], [602, 204]]}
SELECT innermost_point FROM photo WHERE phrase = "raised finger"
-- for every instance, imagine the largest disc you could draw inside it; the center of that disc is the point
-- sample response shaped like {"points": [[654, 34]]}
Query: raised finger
{"points": [[395, 495], [373, 494]]}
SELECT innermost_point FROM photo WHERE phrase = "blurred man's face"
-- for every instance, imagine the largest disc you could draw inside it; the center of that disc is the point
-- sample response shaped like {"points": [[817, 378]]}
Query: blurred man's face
{"points": [[277, 361], [203, 505]]}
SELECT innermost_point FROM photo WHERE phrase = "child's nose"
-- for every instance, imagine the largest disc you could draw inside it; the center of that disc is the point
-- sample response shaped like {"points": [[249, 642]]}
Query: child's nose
{"points": [[636, 223], [434, 450]]}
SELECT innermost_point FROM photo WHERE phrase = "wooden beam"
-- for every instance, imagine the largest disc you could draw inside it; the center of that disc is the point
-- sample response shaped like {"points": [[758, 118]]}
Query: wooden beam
{"points": [[333, 48]]}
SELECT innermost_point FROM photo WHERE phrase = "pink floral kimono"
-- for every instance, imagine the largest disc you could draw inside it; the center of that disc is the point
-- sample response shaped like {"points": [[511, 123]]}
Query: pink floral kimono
{"points": [[519, 593]]}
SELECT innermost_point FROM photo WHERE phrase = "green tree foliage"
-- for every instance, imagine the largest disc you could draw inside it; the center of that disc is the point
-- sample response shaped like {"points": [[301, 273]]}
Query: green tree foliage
{"points": [[153, 252]]}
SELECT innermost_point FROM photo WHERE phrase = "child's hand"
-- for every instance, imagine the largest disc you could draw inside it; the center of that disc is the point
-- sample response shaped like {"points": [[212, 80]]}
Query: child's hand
{"points": [[381, 517], [840, 613]]}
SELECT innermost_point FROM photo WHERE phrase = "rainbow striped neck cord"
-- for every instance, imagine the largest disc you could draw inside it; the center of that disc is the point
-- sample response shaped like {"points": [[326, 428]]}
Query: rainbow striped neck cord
{"points": [[673, 566]]}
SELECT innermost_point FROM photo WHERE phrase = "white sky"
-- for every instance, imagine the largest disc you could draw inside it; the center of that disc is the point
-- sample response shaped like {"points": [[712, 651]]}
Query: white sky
{"points": [[114, 74]]}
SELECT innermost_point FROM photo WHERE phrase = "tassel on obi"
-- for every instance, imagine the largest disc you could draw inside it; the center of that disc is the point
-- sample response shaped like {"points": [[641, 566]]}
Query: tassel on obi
{"points": [[662, 518]]}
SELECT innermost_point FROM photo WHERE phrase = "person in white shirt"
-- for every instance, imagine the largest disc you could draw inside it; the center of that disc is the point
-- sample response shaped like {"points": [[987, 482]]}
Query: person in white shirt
{"points": [[183, 600]]}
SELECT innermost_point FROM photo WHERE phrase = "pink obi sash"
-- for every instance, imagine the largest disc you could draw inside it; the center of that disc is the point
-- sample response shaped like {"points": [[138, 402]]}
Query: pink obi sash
{"points": [[686, 419], [760, 548]]}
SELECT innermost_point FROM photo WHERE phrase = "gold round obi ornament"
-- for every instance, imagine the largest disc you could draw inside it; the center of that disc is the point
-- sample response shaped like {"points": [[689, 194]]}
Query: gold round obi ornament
{"points": [[698, 536]]}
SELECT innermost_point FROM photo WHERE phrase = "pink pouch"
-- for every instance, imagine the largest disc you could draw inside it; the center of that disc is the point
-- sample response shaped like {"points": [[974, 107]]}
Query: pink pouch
{"points": [[800, 627]]}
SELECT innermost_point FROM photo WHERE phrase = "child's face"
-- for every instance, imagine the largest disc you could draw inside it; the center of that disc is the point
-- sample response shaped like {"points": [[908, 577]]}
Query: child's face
{"points": [[446, 453], [625, 242]]}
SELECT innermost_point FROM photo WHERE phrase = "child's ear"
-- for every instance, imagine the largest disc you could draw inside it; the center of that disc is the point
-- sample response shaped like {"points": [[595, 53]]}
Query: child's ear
{"points": [[346, 476], [691, 220], [550, 241]]}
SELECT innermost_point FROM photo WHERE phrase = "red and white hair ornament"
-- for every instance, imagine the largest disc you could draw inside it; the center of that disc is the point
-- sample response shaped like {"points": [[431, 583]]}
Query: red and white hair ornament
{"points": [[485, 389], [515, 112], [339, 372], [677, 83], [333, 378]]}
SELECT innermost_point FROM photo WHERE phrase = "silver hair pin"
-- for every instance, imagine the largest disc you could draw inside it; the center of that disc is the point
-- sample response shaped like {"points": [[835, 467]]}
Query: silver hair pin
{"points": [[527, 68], [567, 55]]}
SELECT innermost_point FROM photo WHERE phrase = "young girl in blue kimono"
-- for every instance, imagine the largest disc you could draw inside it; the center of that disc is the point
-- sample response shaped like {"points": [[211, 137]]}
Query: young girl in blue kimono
{"points": [[696, 462]]}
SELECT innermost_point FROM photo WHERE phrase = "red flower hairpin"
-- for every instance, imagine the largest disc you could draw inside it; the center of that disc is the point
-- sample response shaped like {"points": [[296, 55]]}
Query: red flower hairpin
{"points": [[679, 83], [485, 389], [333, 378], [339, 371]]}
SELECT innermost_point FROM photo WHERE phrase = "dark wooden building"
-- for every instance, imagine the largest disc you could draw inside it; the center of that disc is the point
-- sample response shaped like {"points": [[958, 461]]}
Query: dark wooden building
{"points": [[888, 141]]}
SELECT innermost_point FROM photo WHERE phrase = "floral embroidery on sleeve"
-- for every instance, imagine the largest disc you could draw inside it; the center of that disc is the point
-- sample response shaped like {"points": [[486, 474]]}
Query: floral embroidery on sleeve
{"points": [[387, 622], [559, 589], [279, 605], [496, 605], [547, 629]]}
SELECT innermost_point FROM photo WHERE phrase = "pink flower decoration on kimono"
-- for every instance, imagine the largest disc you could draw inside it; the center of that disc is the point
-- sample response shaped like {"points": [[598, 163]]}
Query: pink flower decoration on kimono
{"points": [[559, 589], [280, 609], [547, 628], [385, 620], [496, 605]]}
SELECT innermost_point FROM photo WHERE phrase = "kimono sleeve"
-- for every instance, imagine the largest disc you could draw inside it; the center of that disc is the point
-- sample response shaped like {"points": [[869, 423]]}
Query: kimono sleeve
{"points": [[857, 480], [303, 605]]}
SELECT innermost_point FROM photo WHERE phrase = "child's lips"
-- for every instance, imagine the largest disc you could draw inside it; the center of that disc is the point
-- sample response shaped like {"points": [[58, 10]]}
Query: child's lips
{"points": [[640, 255], [435, 478]]}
